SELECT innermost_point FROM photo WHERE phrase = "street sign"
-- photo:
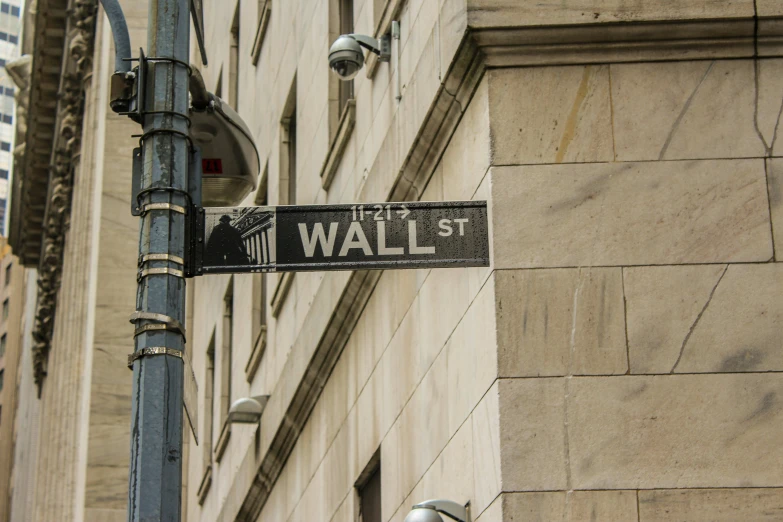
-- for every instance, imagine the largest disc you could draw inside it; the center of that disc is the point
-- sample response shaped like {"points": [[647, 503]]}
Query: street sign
{"points": [[342, 237]]}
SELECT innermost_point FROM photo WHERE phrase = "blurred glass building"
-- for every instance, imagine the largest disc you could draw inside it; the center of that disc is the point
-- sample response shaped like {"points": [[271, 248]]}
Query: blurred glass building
{"points": [[10, 29]]}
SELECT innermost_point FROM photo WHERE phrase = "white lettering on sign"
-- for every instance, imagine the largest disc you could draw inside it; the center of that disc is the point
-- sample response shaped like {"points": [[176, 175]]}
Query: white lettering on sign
{"points": [[412, 246], [355, 231], [319, 236], [383, 250], [445, 226], [461, 222], [355, 238]]}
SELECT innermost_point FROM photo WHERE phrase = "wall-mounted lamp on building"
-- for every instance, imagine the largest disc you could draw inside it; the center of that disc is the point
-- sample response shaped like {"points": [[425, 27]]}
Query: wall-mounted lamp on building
{"points": [[428, 511], [247, 410]]}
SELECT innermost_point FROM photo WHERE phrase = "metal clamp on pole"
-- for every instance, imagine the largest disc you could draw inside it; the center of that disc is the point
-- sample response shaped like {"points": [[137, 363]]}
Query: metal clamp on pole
{"points": [[163, 206], [153, 350], [159, 271], [161, 322], [161, 257]]}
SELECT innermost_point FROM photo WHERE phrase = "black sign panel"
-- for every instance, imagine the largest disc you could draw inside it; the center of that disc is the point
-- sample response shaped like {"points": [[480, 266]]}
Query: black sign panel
{"points": [[344, 237]]}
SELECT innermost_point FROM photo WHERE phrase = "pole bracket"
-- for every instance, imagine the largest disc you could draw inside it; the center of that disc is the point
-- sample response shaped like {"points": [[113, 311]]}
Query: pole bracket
{"points": [[164, 322], [160, 271], [163, 206], [161, 257], [153, 350]]}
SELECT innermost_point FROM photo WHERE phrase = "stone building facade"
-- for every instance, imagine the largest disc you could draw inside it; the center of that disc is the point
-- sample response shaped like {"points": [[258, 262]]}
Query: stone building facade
{"points": [[11, 310], [620, 360]]}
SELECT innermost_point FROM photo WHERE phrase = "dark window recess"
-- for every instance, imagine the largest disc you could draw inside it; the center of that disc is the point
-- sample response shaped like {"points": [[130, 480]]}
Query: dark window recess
{"points": [[7, 118], [370, 498], [2, 376], [4, 145], [9, 91], [3, 174], [5, 8], [2, 62], [3, 338], [8, 274], [2, 203], [3, 36], [15, 11], [13, 39], [346, 27]]}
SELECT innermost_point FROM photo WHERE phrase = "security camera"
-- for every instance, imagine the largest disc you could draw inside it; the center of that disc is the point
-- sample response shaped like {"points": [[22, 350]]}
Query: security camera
{"points": [[429, 511], [346, 57]]}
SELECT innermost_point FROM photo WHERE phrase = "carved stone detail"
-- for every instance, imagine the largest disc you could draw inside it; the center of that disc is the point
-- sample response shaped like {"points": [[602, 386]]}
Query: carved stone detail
{"points": [[70, 108]]}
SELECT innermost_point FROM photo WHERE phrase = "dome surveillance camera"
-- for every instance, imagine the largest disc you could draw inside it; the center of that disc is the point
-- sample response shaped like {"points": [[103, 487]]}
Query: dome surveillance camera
{"points": [[346, 56]]}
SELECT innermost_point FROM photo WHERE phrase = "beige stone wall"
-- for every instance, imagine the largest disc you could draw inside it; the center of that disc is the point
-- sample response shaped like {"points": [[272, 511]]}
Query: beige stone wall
{"points": [[638, 290], [12, 290], [618, 361]]}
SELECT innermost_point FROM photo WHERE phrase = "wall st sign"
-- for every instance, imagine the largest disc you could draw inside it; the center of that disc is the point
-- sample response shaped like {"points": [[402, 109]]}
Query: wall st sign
{"points": [[340, 237]]}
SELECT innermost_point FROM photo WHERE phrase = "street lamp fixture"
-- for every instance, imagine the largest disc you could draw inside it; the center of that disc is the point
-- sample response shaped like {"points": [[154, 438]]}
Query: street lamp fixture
{"points": [[247, 410], [429, 511]]}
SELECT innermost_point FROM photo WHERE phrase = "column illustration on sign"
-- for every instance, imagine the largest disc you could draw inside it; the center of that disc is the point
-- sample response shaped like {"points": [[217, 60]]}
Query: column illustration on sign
{"points": [[239, 237]]}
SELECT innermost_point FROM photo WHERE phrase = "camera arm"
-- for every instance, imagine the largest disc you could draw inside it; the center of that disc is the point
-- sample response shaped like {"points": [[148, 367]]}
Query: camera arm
{"points": [[381, 47]]}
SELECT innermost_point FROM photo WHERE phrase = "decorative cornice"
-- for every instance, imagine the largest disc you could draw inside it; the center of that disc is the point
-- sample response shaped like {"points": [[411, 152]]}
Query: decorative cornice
{"points": [[66, 145]]}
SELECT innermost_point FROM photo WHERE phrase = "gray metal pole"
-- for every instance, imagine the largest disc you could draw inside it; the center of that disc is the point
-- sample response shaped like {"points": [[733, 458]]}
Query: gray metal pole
{"points": [[154, 489]]}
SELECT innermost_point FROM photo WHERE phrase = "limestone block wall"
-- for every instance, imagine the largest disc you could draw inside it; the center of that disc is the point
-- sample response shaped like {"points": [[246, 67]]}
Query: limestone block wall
{"points": [[638, 290]]}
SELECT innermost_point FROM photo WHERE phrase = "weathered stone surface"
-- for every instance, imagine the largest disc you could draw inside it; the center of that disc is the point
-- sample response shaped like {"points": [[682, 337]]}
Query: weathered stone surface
{"points": [[486, 449], [573, 506], [694, 110], [630, 214], [689, 431], [550, 115], [502, 13], [775, 187], [533, 434], [713, 318], [560, 322], [472, 358], [716, 505]]}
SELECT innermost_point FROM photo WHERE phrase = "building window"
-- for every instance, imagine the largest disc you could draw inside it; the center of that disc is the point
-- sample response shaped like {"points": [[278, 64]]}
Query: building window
{"points": [[8, 274], [5, 309], [209, 421], [226, 355], [3, 36], [7, 118], [346, 27], [2, 376], [264, 11], [4, 145], [8, 91], [15, 11], [2, 345], [369, 488], [233, 61], [288, 152], [5, 8], [3, 174], [226, 363], [12, 38]]}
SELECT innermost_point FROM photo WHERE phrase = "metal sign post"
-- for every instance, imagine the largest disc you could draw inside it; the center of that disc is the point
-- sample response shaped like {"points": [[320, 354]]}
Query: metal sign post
{"points": [[155, 482], [340, 237]]}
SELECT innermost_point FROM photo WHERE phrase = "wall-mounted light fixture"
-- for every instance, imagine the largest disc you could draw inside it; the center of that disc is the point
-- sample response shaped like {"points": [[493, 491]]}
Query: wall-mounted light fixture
{"points": [[247, 410], [428, 511]]}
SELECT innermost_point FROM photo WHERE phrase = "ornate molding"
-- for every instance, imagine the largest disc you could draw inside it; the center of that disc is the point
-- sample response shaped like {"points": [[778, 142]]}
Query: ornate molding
{"points": [[77, 65]]}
